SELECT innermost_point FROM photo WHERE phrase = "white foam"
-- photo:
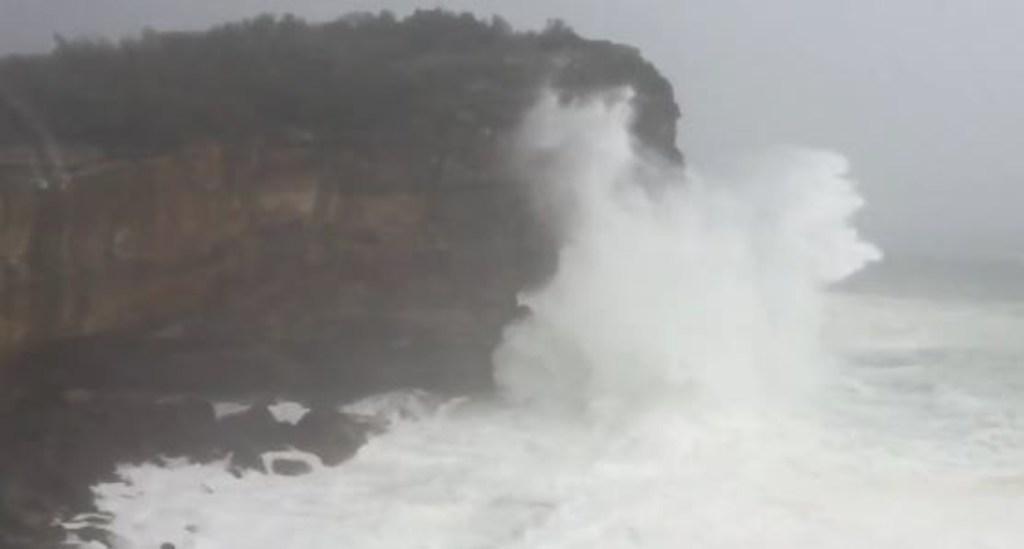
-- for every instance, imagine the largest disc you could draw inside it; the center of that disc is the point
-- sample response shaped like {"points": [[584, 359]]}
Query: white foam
{"points": [[225, 409], [397, 406], [285, 411], [670, 388], [504, 479], [671, 285]]}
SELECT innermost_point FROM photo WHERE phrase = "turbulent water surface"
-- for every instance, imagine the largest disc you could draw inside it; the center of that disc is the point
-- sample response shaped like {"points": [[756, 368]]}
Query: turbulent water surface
{"points": [[685, 380]]}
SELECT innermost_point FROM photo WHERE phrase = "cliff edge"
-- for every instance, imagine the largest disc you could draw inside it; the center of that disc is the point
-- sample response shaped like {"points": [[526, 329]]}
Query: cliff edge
{"points": [[279, 204]]}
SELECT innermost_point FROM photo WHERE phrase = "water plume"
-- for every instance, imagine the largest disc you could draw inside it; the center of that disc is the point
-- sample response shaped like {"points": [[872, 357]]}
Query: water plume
{"points": [[672, 286], [681, 304]]}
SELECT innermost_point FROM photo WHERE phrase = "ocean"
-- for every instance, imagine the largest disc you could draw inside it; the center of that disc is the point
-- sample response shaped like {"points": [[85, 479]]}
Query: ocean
{"points": [[705, 370]]}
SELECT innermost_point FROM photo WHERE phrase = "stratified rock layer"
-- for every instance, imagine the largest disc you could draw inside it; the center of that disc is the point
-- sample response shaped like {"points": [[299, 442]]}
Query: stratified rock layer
{"points": [[267, 209], [281, 206]]}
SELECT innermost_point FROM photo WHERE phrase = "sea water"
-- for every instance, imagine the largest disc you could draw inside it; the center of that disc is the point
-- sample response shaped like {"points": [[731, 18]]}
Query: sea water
{"points": [[690, 377]]}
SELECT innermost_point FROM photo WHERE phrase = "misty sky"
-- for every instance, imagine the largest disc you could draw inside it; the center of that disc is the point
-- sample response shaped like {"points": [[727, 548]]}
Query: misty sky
{"points": [[924, 96]]}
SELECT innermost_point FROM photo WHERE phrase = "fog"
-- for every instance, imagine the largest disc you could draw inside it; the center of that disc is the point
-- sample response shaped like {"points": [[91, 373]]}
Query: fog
{"points": [[669, 386], [921, 95]]}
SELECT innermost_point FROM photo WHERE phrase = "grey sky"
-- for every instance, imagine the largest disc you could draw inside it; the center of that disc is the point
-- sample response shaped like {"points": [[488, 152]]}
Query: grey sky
{"points": [[925, 96]]}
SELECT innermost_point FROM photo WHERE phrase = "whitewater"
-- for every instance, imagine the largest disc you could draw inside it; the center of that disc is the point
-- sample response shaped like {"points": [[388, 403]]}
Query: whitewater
{"points": [[689, 377]]}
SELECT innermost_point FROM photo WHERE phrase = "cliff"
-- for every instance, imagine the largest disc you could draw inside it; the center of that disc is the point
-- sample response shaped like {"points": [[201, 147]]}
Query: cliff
{"points": [[276, 204]]}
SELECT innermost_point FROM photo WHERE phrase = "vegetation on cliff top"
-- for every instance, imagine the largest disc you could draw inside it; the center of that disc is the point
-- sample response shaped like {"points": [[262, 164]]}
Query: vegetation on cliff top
{"points": [[360, 76]]}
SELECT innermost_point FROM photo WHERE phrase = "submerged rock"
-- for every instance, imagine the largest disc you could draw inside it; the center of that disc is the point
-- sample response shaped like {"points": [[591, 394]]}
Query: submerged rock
{"points": [[56, 449], [290, 467], [324, 256], [331, 435]]}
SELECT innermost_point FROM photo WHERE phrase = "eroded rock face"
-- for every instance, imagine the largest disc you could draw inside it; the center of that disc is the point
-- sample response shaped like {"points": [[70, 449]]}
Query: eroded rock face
{"points": [[264, 259], [281, 248], [274, 255]]}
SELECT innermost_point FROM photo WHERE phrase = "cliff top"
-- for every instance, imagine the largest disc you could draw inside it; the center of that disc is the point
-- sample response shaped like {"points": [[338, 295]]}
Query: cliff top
{"points": [[360, 78]]}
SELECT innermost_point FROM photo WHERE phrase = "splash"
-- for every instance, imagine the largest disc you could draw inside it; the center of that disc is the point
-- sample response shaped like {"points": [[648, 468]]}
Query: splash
{"points": [[673, 290], [672, 286]]}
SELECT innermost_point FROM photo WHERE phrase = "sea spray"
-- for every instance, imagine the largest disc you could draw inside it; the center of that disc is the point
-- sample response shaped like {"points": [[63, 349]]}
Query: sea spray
{"points": [[678, 291], [670, 285]]}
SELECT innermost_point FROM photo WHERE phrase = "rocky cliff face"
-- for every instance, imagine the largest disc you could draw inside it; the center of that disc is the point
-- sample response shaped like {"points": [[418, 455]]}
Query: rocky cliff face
{"points": [[267, 210], [291, 258], [270, 245]]}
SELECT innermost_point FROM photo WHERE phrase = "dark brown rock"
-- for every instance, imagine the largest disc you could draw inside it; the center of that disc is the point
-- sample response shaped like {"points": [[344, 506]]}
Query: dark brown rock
{"points": [[329, 434], [261, 259], [283, 238], [56, 448], [290, 467], [248, 434]]}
